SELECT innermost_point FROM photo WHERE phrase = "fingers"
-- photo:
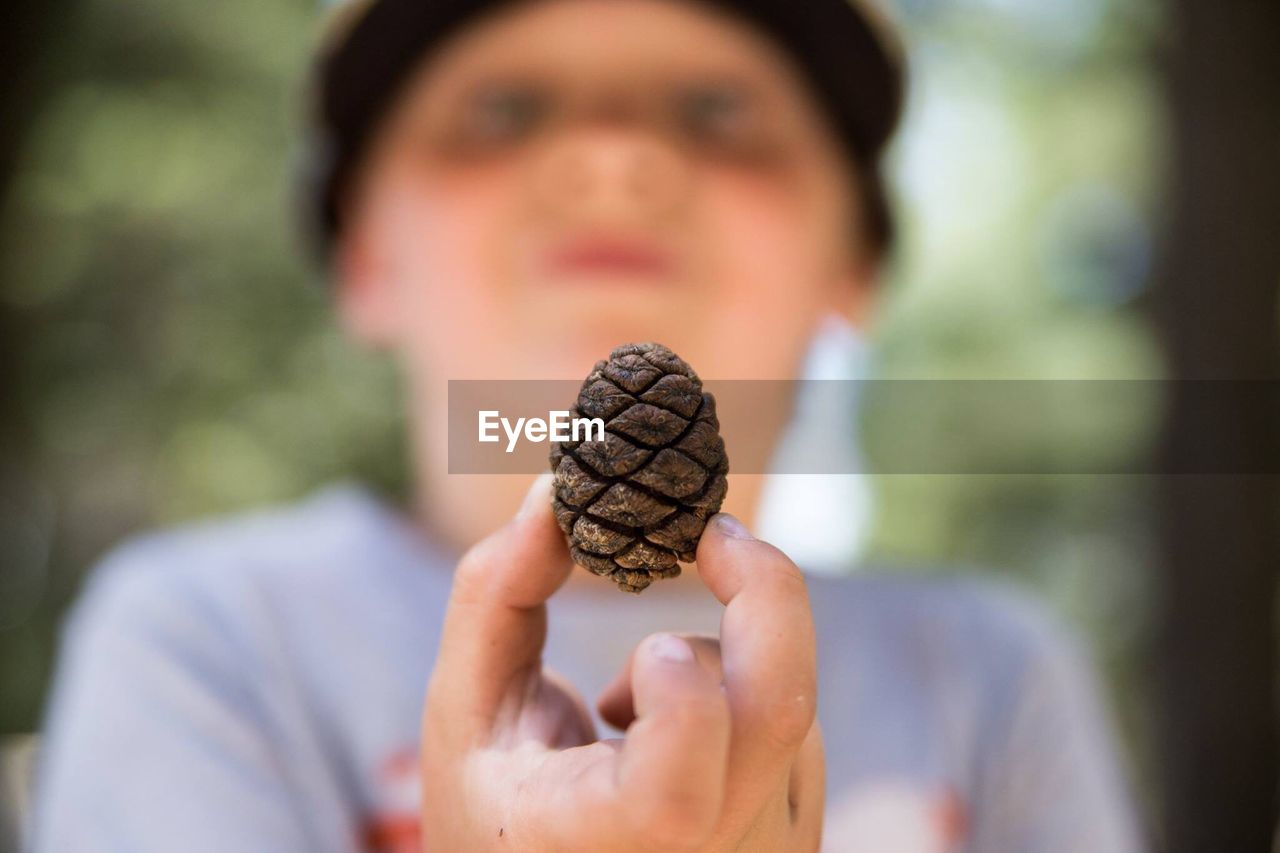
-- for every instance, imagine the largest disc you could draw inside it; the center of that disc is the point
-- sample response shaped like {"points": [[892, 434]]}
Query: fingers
{"points": [[766, 657], [769, 656], [616, 704], [671, 772], [495, 622], [662, 787]]}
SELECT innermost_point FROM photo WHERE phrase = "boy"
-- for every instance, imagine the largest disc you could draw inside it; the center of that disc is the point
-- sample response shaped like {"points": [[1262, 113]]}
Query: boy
{"points": [[508, 191]]}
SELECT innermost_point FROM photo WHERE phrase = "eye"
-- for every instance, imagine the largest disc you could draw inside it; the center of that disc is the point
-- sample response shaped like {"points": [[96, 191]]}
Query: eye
{"points": [[505, 112], [717, 112]]}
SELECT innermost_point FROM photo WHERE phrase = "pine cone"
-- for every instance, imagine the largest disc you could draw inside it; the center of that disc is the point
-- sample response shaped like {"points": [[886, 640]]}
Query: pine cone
{"points": [[635, 503]]}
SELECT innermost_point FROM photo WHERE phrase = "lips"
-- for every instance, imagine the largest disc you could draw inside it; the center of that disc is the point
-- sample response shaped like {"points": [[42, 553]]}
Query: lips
{"points": [[610, 257]]}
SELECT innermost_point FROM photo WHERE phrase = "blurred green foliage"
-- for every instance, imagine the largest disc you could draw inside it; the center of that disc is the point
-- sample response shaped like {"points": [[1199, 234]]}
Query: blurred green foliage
{"points": [[1029, 176], [177, 357]]}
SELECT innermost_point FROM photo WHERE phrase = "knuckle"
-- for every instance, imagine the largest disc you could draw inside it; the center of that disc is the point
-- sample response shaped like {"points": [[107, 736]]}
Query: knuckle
{"points": [[478, 556], [786, 574], [473, 570], [779, 581], [789, 719]]}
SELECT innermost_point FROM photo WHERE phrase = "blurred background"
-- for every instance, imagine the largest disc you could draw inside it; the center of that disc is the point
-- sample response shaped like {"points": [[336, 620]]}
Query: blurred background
{"points": [[1064, 178]]}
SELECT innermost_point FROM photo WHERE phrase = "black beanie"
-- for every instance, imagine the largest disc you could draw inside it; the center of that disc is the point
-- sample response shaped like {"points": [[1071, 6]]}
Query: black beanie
{"points": [[848, 53]]}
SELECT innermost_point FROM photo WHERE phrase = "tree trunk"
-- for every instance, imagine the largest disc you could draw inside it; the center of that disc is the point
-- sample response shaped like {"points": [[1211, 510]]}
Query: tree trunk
{"points": [[1217, 310]]}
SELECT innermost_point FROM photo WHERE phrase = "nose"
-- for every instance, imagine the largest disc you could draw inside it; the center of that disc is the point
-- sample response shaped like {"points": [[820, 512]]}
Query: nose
{"points": [[605, 168]]}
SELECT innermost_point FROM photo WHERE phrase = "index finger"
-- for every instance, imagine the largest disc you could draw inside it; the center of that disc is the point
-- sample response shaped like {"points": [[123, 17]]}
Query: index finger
{"points": [[769, 656], [495, 624]]}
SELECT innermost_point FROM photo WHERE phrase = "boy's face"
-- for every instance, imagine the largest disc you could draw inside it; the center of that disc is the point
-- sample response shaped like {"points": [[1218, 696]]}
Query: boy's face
{"points": [[568, 175]]}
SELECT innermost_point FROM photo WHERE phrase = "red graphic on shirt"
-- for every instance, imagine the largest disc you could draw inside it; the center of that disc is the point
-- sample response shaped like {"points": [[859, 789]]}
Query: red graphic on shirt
{"points": [[395, 827]]}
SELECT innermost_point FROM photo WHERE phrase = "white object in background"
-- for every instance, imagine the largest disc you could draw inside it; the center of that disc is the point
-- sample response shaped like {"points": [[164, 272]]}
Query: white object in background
{"points": [[878, 817], [821, 521]]}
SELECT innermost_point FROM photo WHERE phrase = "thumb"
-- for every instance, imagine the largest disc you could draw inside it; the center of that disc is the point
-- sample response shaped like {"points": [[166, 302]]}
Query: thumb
{"points": [[673, 765], [496, 622]]}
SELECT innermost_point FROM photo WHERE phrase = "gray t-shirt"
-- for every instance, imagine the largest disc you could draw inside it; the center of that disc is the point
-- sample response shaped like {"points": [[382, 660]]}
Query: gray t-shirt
{"points": [[255, 684]]}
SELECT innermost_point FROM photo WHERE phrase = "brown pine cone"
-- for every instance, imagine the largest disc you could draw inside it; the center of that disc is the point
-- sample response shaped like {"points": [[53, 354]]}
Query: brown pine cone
{"points": [[633, 504]]}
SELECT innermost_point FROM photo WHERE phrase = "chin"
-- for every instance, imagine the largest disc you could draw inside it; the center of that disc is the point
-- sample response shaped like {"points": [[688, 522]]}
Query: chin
{"points": [[580, 336]]}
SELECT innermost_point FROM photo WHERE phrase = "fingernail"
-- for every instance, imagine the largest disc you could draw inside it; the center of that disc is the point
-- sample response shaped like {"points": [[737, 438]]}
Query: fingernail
{"points": [[730, 526], [671, 648], [536, 495]]}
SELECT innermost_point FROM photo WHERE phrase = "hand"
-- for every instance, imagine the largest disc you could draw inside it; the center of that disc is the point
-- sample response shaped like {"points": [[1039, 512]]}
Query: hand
{"points": [[510, 757]]}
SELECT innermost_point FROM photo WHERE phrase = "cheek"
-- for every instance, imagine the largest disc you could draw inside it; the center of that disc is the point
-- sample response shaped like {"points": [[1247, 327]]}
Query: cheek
{"points": [[770, 262], [439, 238]]}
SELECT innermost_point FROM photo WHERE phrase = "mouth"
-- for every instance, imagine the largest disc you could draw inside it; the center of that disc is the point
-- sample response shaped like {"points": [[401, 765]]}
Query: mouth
{"points": [[612, 257]]}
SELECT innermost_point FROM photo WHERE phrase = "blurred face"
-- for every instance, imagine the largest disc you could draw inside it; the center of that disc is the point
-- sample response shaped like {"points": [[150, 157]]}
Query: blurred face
{"points": [[568, 175]]}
